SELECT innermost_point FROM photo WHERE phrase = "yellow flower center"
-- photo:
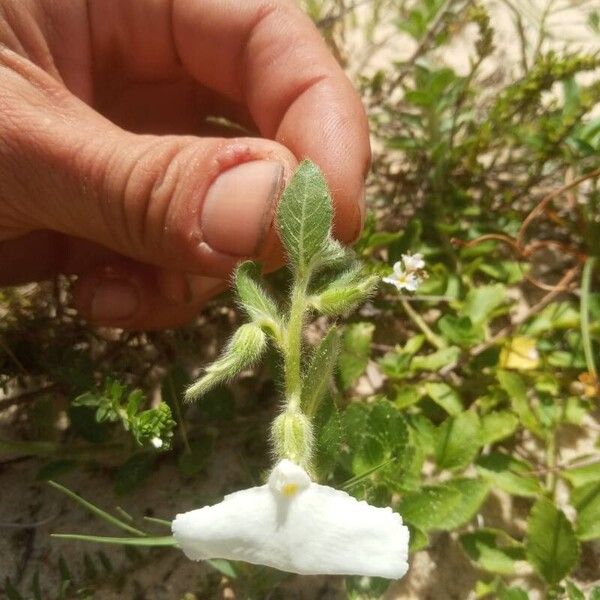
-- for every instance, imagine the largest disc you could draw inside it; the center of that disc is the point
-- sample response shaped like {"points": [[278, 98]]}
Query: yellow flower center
{"points": [[289, 489]]}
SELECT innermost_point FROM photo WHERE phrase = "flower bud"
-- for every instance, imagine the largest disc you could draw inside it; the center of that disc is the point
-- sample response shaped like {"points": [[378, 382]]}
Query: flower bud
{"points": [[242, 351], [293, 437], [337, 300]]}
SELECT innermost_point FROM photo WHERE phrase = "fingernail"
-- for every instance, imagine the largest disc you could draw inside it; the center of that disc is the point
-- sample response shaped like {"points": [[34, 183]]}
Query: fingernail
{"points": [[114, 299], [238, 207]]}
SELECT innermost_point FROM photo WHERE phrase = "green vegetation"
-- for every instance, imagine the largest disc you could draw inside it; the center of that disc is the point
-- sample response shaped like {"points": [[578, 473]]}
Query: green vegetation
{"points": [[470, 406]]}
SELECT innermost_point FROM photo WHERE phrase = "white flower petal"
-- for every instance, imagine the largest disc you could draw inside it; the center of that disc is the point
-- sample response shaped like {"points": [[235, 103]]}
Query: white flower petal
{"points": [[398, 268], [412, 282], [392, 281], [295, 525], [156, 442], [413, 262]]}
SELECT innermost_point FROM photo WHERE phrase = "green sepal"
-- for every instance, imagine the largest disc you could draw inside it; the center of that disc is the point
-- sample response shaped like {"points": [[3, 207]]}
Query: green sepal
{"points": [[292, 435], [255, 301]]}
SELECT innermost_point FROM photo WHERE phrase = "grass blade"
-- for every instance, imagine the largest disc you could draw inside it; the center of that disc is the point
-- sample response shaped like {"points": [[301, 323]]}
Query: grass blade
{"points": [[97, 511]]}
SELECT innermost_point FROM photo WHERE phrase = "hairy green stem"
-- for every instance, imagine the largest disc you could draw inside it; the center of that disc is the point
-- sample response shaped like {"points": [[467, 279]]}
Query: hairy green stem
{"points": [[293, 346], [588, 351]]}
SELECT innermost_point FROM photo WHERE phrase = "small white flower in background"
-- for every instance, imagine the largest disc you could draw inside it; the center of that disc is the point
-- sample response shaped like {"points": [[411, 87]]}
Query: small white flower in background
{"points": [[156, 442], [408, 274], [296, 525], [413, 262]]}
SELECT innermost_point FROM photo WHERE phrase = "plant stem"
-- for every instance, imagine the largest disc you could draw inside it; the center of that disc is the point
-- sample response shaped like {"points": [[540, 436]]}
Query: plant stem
{"points": [[588, 350], [293, 346], [415, 317]]}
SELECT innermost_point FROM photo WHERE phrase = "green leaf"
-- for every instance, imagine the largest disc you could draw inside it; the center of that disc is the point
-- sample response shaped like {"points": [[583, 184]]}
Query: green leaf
{"points": [[319, 372], [551, 545], [457, 441], [446, 506], [354, 356], [573, 592], [514, 386], [304, 217], [497, 425], [481, 302], [493, 550], [586, 501], [509, 474], [436, 360], [418, 540], [579, 476], [556, 316], [512, 593], [243, 350], [427, 508], [96, 510], [472, 493], [446, 397], [460, 330], [257, 303]]}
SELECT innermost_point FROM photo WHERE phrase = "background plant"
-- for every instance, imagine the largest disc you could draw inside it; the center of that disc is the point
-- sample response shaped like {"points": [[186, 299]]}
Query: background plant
{"points": [[471, 406]]}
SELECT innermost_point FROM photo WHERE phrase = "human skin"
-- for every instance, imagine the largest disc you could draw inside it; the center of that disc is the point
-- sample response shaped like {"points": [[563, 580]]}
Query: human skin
{"points": [[110, 171]]}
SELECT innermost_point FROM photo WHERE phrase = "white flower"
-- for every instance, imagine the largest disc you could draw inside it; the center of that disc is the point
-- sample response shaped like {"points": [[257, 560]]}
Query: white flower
{"points": [[403, 280], [413, 262], [296, 525], [156, 442]]}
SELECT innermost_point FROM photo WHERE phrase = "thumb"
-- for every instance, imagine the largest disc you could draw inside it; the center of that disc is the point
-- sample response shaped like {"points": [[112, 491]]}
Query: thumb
{"points": [[182, 203]]}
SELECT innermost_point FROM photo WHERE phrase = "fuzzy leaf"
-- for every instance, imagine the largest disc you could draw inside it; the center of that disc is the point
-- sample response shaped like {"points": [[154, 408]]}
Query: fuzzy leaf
{"points": [[551, 545], [304, 216], [320, 371], [257, 303]]}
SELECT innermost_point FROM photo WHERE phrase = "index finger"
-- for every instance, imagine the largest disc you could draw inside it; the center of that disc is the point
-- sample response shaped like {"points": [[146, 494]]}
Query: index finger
{"points": [[270, 56]]}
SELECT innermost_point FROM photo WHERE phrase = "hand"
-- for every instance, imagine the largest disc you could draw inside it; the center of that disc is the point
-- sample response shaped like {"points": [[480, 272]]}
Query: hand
{"points": [[109, 170]]}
